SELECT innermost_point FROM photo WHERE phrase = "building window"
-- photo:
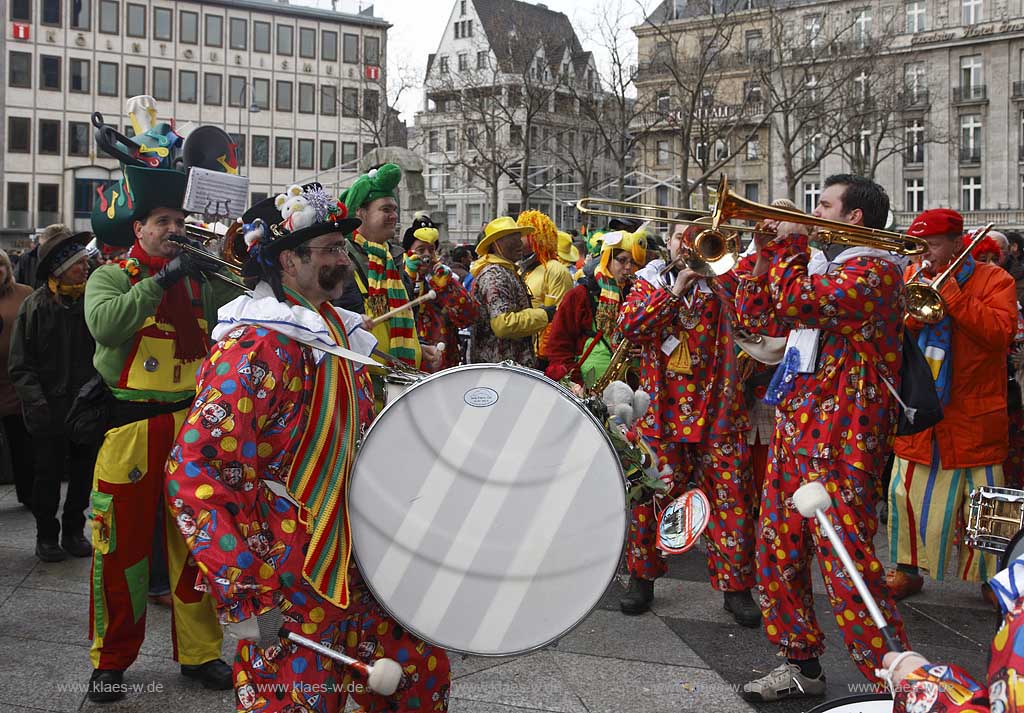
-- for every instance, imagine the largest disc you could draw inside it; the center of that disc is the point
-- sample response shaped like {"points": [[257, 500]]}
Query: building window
{"points": [[863, 149], [914, 81], [664, 101], [81, 14], [285, 38], [17, 205], [188, 86], [328, 155], [307, 98], [213, 89], [463, 61], [261, 37], [812, 192], [163, 24], [214, 31], [371, 51], [21, 11], [19, 134], [481, 60], [162, 83], [283, 96], [106, 80], [49, 137], [85, 195], [348, 152], [282, 152], [261, 93], [350, 49], [433, 141], [970, 137], [328, 46], [20, 72], [751, 191], [915, 16], [971, 77], [350, 102], [442, 64], [78, 138], [236, 91], [915, 195], [238, 33], [109, 12], [188, 27], [49, 72], [371, 104], [449, 139], [914, 142], [305, 158], [307, 42], [721, 150], [135, 20], [47, 204], [970, 193], [328, 100], [261, 151], [972, 14], [753, 149], [239, 140], [812, 31], [662, 156], [78, 76], [862, 28], [134, 80], [49, 13]]}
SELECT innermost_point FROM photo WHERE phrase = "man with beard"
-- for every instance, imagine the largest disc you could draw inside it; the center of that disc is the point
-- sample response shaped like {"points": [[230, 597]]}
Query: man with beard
{"points": [[278, 555]]}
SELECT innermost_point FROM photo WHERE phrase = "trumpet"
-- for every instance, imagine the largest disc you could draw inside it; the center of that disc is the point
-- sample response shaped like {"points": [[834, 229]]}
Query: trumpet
{"points": [[192, 248], [924, 303]]}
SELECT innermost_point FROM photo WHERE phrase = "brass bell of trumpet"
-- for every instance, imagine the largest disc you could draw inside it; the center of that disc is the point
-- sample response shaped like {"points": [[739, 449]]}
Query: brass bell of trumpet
{"points": [[924, 303]]}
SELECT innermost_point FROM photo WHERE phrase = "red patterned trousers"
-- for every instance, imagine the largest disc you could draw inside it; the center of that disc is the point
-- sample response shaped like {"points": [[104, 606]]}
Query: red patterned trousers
{"points": [[722, 470]]}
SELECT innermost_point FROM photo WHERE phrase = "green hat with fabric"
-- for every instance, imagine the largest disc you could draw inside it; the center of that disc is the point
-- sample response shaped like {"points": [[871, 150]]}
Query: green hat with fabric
{"points": [[376, 183], [123, 202]]}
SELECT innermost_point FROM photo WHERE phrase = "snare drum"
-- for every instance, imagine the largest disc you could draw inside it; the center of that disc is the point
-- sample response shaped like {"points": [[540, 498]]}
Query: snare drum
{"points": [[488, 510], [994, 517], [864, 703]]}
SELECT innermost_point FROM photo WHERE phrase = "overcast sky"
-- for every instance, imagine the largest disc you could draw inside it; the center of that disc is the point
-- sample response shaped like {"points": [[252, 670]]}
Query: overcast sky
{"points": [[417, 26]]}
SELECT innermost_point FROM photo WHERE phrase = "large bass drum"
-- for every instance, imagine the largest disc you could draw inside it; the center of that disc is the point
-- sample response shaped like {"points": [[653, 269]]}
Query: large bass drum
{"points": [[488, 510]]}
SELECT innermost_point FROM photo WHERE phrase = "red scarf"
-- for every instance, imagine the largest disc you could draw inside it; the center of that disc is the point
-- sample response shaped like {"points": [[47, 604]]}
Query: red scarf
{"points": [[177, 309]]}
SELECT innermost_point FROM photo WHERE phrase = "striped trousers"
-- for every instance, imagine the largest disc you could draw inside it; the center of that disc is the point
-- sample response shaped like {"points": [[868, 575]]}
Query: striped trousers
{"points": [[928, 506]]}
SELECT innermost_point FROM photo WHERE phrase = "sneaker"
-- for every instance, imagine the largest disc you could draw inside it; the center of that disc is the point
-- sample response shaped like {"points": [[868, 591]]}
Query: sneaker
{"points": [[786, 681], [638, 597], [902, 584], [76, 545], [50, 551]]}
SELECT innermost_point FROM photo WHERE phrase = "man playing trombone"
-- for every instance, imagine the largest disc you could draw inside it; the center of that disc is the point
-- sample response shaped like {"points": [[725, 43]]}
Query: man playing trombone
{"points": [[695, 424], [834, 423]]}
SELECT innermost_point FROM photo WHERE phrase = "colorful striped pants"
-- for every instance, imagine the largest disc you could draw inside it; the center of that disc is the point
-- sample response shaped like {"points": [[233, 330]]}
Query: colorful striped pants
{"points": [[928, 506]]}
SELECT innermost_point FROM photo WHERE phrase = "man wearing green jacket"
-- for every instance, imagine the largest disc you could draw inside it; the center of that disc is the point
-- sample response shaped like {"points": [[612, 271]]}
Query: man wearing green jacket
{"points": [[150, 315]]}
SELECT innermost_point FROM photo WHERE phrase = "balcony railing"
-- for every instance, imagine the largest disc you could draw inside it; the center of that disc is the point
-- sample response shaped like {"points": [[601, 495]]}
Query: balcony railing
{"points": [[914, 99], [970, 154], [1018, 90], [970, 93]]}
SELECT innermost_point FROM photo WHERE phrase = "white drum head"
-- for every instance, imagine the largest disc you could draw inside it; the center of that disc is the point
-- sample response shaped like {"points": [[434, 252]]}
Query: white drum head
{"points": [[488, 510]]}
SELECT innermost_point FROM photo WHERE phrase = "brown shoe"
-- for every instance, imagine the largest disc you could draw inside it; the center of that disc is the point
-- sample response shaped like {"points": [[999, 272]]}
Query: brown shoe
{"points": [[901, 584]]}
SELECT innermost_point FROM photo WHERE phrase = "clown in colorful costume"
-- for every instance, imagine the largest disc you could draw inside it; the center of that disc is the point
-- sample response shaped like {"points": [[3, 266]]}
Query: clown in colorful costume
{"points": [[583, 334], [936, 470], [270, 486], [438, 320], [379, 280], [695, 423], [149, 317], [834, 423], [924, 687]]}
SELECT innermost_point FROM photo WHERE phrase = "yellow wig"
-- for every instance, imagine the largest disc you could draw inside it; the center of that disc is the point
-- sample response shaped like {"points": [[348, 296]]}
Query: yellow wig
{"points": [[544, 239]]}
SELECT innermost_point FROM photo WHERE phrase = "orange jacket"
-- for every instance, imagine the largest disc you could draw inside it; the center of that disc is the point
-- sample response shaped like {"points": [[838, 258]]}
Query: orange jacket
{"points": [[975, 426]]}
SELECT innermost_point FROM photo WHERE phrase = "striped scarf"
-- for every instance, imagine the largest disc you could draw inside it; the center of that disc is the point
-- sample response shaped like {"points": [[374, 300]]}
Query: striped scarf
{"points": [[318, 477], [384, 292], [607, 305]]}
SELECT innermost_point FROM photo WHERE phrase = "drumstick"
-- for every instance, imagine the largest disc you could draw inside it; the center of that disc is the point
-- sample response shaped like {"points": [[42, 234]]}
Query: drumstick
{"points": [[408, 305], [383, 675], [812, 500]]}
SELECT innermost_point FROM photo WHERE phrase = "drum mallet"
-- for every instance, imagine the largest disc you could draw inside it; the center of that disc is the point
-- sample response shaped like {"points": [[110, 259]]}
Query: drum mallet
{"points": [[408, 305], [383, 675], [812, 500]]}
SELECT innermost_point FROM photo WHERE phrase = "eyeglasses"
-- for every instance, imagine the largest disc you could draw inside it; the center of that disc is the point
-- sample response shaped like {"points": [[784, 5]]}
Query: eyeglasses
{"points": [[337, 249], [625, 260]]}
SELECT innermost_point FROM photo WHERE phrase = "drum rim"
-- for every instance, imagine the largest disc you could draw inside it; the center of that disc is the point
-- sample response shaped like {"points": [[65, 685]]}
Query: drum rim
{"points": [[856, 698], [578, 403], [1004, 560]]}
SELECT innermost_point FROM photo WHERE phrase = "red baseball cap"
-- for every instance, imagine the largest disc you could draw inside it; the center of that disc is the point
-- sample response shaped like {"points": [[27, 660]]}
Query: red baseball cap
{"points": [[938, 221]]}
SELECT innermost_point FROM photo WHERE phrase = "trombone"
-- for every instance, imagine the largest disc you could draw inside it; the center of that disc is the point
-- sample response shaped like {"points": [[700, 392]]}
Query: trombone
{"points": [[924, 303], [203, 235], [717, 245]]}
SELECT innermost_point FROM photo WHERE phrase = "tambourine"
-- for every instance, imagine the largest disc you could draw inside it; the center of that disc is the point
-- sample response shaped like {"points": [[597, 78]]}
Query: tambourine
{"points": [[682, 522]]}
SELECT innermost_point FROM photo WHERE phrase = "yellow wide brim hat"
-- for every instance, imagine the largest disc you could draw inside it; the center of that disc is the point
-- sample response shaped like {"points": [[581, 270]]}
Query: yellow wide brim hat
{"points": [[566, 250], [499, 228]]}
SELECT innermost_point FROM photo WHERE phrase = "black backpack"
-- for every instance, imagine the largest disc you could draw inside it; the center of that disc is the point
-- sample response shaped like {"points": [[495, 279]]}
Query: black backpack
{"points": [[920, 408]]}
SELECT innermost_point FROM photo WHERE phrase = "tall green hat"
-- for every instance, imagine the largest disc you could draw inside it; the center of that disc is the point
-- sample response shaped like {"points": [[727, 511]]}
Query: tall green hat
{"points": [[121, 203], [376, 183]]}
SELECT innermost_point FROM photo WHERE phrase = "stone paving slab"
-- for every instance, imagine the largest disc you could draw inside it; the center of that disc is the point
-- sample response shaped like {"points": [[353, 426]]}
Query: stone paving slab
{"points": [[634, 638], [533, 681]]}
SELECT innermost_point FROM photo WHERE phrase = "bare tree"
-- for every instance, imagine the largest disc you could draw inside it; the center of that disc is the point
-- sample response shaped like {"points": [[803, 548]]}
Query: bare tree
{"points": [[379, 118]]}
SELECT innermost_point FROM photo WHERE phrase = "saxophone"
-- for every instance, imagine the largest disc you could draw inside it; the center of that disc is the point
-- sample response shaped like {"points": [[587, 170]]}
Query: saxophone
{"points": [[616, 367]]}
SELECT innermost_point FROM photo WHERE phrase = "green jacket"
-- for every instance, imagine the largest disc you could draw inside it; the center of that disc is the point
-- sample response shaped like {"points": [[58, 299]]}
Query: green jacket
{"points": [[116, 310]]}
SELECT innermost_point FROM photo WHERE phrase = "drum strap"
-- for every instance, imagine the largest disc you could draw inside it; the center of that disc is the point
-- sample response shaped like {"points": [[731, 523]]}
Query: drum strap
{"points": [[279, 490]]}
